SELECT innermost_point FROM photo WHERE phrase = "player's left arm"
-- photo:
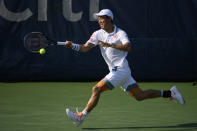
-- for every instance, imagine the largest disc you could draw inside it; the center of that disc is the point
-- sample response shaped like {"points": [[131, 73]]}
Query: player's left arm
{"points": [[124, 47], [125, 44]]}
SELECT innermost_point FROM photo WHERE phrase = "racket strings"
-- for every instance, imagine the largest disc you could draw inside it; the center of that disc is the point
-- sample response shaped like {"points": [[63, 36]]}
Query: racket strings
{"points": [[35, 42]]}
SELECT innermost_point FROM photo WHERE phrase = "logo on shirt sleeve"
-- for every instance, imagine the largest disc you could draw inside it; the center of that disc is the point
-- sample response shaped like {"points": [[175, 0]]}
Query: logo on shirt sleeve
{"points": [[92, 37]]}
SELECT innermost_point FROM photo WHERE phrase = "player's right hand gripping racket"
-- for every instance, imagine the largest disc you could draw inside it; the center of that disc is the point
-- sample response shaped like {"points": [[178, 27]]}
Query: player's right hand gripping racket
{"points": [[34, 41]]}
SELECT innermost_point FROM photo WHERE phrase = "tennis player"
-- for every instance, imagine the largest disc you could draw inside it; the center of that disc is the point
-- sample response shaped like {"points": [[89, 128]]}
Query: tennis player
{"points": [[114, 45]]}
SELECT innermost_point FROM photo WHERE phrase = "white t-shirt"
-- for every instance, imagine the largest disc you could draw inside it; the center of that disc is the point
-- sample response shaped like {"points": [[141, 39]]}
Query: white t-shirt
{"points": [[113, 57]]}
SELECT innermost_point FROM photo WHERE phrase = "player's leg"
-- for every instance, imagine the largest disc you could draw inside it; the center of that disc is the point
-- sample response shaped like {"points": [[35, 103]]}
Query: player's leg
{"points": [[173, 94], [96, 91], [113, 79], [134, 90], [142, 95], [101, 86]]}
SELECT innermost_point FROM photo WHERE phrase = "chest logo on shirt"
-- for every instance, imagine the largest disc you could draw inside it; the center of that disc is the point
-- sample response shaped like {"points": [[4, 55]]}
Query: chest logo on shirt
{"points": [[115, 35]]}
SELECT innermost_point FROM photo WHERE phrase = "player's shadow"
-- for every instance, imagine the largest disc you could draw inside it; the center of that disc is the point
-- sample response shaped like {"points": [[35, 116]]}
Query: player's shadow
{"points": [[187, 126]]}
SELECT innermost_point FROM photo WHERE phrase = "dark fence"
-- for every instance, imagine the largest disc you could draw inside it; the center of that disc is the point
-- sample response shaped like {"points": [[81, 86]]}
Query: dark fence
{"points": [[163, 35]]}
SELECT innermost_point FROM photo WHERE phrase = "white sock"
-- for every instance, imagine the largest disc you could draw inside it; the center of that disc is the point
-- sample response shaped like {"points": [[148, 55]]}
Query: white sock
{"points": [[84, 112], [161, 93]]}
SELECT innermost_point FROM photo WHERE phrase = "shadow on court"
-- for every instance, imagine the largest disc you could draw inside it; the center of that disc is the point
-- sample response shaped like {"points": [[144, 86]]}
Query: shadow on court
{"points": [[188, 126]]}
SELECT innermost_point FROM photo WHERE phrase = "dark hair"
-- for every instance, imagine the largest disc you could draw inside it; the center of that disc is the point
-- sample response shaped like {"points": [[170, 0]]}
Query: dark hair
{"points": [[109, 18]]}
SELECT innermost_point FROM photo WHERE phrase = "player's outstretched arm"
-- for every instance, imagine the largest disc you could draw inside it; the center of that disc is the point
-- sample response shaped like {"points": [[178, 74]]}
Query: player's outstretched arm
{"points": [[86, 47], [81, 48]]}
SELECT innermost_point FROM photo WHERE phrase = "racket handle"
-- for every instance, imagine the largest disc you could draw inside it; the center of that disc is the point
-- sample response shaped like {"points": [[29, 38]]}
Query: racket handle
{"points": [[60, 43]]}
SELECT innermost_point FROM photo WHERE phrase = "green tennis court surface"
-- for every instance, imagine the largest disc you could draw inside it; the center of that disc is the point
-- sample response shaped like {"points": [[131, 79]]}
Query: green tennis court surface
{"points": [[40, 106]]}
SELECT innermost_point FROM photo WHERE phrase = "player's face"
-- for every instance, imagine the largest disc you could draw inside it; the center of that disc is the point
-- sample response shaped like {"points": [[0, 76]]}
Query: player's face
{"points": [[104, 22]]}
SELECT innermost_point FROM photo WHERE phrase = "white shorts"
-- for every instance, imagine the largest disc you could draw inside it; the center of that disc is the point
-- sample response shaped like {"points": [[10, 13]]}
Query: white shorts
{"points": [[120, 77]]}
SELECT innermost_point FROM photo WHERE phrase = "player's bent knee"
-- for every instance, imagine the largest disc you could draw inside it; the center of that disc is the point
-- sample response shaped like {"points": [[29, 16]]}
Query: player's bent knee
{"points": [[96, 89], [138, 97], [137, 93]]}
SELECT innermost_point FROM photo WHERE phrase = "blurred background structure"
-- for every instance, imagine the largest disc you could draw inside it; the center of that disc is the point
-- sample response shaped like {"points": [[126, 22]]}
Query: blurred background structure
{"points": [[163, 35]]}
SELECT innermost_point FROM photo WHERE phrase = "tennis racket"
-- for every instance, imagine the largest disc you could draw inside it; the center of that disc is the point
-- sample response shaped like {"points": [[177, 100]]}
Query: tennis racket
{"points": [[34, 41]]}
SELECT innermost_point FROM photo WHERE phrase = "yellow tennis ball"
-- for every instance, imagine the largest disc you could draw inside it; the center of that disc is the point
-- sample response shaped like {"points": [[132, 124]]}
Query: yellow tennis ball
{"points": [[42, 51]]}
